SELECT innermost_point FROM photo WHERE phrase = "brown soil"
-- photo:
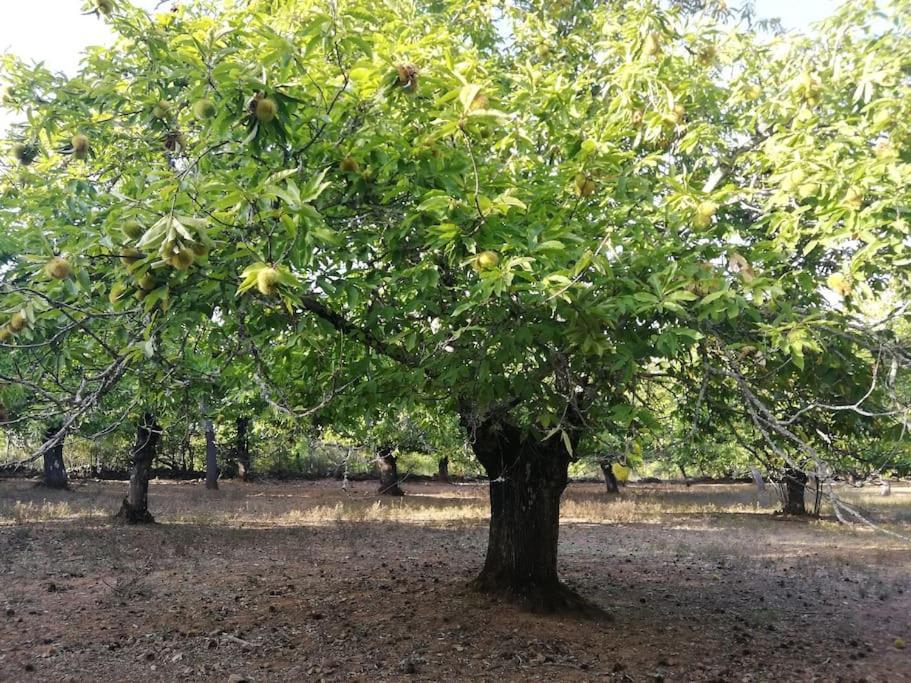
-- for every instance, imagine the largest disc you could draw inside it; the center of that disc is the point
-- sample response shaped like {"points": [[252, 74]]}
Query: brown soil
{"points": [[305, 581]]}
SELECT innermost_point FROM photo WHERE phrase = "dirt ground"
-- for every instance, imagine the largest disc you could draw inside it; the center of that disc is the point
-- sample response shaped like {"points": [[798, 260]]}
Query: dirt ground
{"points": [[306, 581]]}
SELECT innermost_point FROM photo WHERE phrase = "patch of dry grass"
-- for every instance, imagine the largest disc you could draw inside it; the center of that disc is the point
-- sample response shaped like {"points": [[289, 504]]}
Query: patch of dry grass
{"points": [[381, 511], [44, 511], [313, 503]]}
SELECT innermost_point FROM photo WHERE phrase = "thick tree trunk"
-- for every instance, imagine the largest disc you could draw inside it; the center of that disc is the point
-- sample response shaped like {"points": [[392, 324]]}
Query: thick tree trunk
{"points": [[387, 464], [242, 449], [211, 457], [795, 482], [135, 508], [443, 469], [610, 479], [527, 478], [54, 469]]}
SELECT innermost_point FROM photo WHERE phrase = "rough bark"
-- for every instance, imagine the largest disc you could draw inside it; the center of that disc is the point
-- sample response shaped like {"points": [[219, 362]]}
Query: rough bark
{"points": [[211, 456], [387, 464], [242, 449], [54, 469], [610, 479], [527, 478], [443, 470], [795, 483], [135, 507]]}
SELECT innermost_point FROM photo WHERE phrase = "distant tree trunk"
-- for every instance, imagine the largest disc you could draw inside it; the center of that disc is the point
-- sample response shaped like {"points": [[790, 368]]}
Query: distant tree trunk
{"points": [[184, 449], [211, 456], [387, 464], [686, 479], [795, 482], [135, 507], [527, 477], [242, 449], [54, 469], [613, 486], [443, 469]]}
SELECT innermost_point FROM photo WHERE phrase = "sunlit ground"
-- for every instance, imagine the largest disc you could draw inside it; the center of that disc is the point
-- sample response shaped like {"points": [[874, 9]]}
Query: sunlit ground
{"points": [[273, 503]]}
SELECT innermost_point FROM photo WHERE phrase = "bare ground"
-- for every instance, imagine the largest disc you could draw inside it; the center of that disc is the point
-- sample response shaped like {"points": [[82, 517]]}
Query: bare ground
{"points": [[304, 581]]}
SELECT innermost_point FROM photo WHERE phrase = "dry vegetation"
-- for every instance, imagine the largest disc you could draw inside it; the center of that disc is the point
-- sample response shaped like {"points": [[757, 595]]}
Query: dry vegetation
{"points": [[290, 581]]}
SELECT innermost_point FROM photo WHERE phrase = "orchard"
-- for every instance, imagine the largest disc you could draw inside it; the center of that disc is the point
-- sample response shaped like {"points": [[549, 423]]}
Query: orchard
{"points": [[460, 246]]}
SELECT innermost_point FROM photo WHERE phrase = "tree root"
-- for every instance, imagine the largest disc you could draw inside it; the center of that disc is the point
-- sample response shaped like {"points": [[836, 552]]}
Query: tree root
{"points": [[129, 515], [539, 598]]}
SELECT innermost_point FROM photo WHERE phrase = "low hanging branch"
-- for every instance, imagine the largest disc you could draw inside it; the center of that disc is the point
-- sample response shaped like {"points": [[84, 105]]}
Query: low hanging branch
{"points": [[83, 405], [766, 423]]}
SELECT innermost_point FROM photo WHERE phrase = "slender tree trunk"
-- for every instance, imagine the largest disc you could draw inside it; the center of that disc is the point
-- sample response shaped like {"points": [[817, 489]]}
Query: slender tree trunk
{"points": [[184, 449], [54, 469], [607, 467], [211, 457], [135, 507], [242, 449], [387, 464], [527, 478], [686, 479], [795, 485], [443, 469]]}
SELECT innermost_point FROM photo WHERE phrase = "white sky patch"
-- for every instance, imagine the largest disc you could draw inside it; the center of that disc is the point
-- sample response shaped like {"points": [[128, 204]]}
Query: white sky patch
{"points": [[55, 32], [796, 14]]}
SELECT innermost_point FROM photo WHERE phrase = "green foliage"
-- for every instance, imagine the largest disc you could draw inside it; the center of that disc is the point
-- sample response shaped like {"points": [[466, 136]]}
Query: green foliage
{"points": [[529, 211]]}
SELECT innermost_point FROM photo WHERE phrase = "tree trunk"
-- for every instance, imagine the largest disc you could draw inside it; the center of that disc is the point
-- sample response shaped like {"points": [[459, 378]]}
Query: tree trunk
{"points": [[135, 507], [795, 484], [211, 457], [242, 449], [443, 469], [607, 467], [54, 469], [387, 464], [527, 478], [686, 479]]}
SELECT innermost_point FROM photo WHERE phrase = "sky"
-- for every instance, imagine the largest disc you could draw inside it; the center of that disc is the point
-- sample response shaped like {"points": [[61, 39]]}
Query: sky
{"points": [[794, 14], [57, 31]]}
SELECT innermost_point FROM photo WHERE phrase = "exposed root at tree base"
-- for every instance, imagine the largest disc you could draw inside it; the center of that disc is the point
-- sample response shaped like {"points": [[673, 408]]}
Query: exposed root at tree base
{"points": [[129, 515], [551, 598]]}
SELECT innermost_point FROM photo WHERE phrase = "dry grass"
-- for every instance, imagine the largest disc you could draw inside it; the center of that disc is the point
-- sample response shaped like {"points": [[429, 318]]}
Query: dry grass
{"points": [[287, 504], [45, 511]]}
